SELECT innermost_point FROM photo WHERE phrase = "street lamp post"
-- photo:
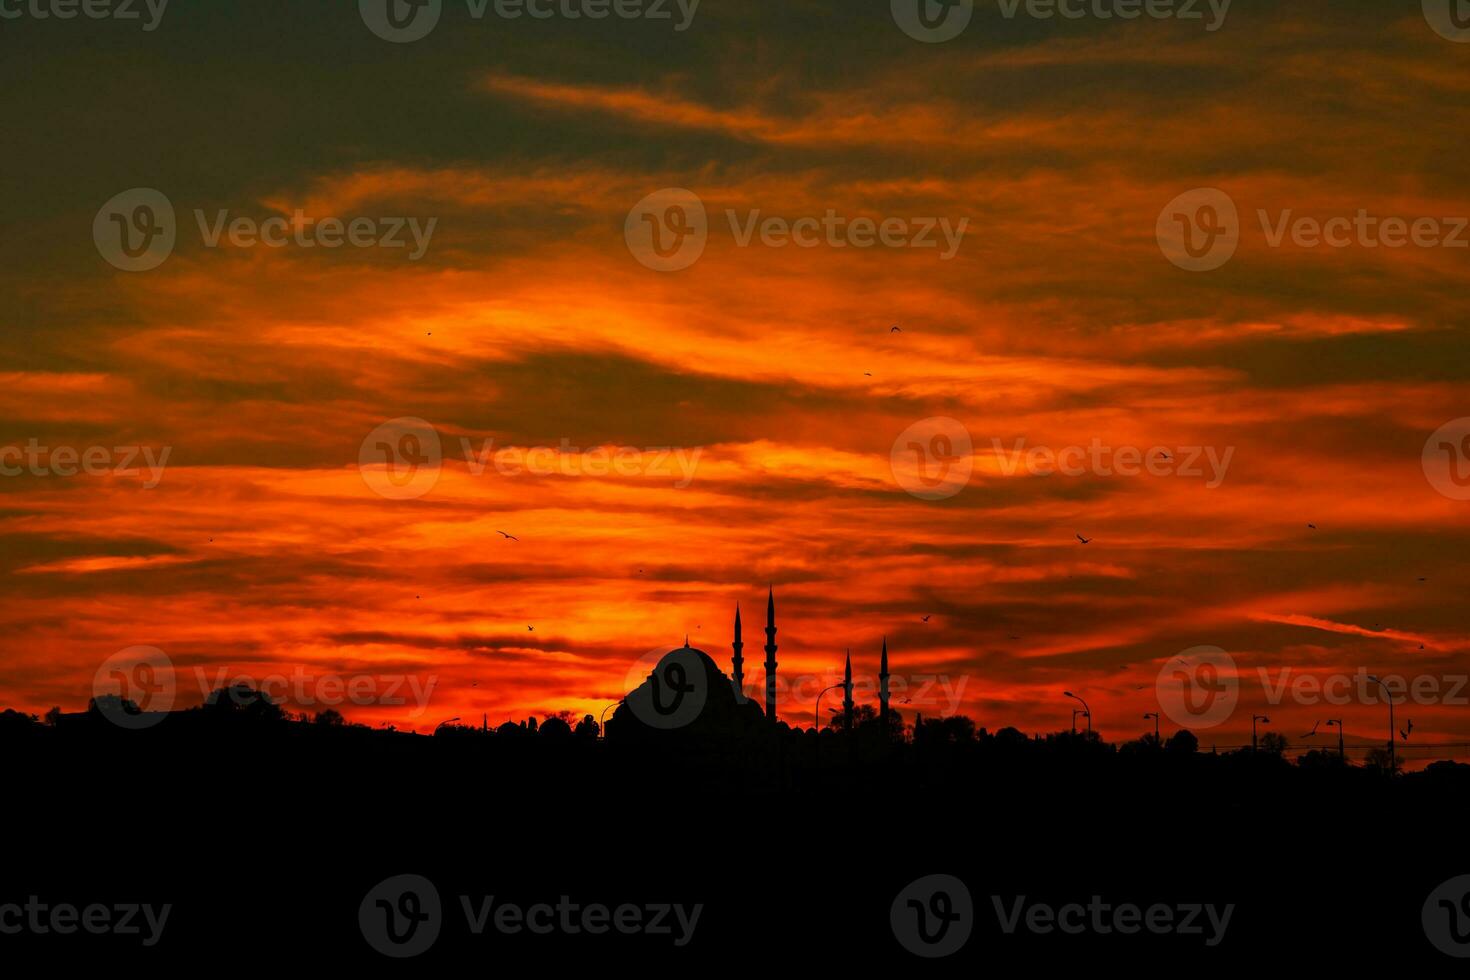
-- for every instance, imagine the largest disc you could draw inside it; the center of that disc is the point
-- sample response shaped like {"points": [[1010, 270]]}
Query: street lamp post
{"points": [[1075, 713], [1155, 716], [602, 719], [1254, 719], [443, 723], [1341, 751], [817, 711], [1392, 752], [1085, 708]]}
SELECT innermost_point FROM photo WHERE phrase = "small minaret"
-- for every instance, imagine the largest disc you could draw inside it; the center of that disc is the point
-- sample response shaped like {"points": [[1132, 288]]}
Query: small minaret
{"points": [[771, 655], [847, 693], [883, 688], [738, 660]]}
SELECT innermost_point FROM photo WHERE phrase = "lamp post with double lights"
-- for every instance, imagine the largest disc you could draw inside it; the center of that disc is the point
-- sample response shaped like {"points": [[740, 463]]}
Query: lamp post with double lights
{"points": [[1085, 709]]}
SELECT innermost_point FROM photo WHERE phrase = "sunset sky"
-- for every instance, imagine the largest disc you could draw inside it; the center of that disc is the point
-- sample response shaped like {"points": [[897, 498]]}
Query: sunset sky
{"points": [[529, 322]]}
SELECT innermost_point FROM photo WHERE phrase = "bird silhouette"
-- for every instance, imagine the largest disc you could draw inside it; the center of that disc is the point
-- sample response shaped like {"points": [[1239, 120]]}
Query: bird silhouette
{"points": [[867, 374], [1084, 540], [1312, 526], [926, 618], [530, 629], [1163, 456], [1313, 731], [508, 537], [895, 329], [1404, 732]]}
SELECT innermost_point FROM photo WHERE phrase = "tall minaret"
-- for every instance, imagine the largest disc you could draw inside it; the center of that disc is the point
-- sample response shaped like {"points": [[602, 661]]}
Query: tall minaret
{"points": [[847, 693], [738, 660], [771, 655], [883, 688]]}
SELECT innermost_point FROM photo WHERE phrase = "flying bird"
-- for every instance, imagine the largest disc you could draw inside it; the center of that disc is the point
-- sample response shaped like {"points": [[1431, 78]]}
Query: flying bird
{"points": [[508, 537], [1164, 456], [1312, 526], [926, 618], [895, 329], [1313, 731], [530, 629], [867, 374], [1404, 732], [1084, 540]]}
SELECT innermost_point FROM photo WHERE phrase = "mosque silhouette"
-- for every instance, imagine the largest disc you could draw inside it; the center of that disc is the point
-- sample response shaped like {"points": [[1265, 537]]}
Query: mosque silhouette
{"points": [[687, 692]]}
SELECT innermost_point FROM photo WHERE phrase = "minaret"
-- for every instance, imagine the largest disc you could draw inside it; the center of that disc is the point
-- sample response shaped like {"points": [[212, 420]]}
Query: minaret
{"points": [[738, 660], [883, 688], [771, 655], [847, 693]]}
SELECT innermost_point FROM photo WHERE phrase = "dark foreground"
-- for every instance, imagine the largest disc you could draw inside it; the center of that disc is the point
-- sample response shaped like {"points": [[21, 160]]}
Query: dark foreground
{"points": [[286, 848]]}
